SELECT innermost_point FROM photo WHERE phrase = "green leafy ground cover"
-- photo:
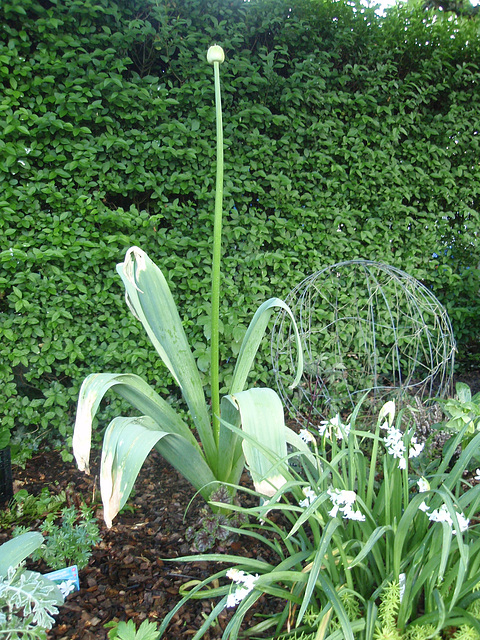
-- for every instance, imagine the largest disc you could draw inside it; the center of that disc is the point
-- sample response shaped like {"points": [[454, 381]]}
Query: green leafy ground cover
{"points": [[347, 135]]}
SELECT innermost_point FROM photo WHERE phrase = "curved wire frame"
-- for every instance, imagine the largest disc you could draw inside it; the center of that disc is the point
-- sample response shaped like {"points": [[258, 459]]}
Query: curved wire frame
{"points": [[366, 327]]}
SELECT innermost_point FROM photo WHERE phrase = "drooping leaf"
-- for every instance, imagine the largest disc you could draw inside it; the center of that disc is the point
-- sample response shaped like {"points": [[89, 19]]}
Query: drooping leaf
{"points": [[126, 444], [261, 416], [251, 342], [151, 301], [296, 441], [132, 388]]}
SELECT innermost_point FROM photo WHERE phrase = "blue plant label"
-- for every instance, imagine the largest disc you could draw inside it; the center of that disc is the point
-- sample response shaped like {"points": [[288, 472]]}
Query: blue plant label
{"points": [[66, 579]]}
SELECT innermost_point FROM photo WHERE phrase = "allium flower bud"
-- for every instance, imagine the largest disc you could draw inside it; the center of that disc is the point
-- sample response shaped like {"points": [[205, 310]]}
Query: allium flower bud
{"points": [[215, 54]]}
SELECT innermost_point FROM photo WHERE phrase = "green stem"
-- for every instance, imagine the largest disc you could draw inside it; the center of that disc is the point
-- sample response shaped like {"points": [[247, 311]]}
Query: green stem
{"points": [[373, 469], [217, 254], [348, 574]]}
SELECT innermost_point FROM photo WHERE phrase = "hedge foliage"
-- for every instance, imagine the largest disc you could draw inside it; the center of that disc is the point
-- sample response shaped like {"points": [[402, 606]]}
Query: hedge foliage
{"points": [[348, 135]]}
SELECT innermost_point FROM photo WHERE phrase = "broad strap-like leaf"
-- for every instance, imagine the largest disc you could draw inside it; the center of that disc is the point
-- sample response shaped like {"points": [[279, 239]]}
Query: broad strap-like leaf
{"points": [[149, 297], [136, 391], [231, 459], [14, 551], [463, 391], [261, 416], [126, 444], [403, 531], [251, 342]]}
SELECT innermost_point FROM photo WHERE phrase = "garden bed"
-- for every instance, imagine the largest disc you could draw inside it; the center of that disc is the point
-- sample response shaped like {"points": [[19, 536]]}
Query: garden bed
{"points": [[128, 576]]}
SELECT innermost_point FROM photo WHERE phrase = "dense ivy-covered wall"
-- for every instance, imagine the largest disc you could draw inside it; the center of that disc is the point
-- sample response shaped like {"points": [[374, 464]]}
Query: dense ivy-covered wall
{"points": [[347, 135]]}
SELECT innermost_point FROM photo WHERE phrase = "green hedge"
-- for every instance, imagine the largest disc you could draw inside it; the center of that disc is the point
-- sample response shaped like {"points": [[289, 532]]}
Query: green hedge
{"points": [[347, 135]]}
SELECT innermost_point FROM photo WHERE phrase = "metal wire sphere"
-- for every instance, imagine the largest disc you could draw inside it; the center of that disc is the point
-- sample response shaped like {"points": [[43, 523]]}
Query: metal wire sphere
{"points": [[365, 327]]}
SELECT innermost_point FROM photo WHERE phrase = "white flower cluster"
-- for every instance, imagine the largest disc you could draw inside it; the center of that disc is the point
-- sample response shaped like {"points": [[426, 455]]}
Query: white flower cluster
{"points": [[310, 496], [442, 514], [305, 435], [423, 485], [247, 583], [335, 427], [396, 446], [342, 501]]}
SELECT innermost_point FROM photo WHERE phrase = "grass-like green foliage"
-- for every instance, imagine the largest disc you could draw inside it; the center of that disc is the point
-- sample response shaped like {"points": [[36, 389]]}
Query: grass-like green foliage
{"points": [[399, 558], [348, 134], [28, 600], [219, 456]]}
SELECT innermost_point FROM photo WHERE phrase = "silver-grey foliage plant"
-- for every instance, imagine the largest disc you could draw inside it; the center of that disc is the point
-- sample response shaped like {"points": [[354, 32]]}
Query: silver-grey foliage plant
{"points": [[28, 600]]}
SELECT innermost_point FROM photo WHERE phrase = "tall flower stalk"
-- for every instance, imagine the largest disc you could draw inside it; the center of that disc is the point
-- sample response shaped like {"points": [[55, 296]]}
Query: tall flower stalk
{"points": [[216, 56]]}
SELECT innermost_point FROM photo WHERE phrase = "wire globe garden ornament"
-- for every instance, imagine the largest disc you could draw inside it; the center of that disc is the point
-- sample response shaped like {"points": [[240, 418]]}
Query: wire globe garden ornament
{"points": [[365, 327]]}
